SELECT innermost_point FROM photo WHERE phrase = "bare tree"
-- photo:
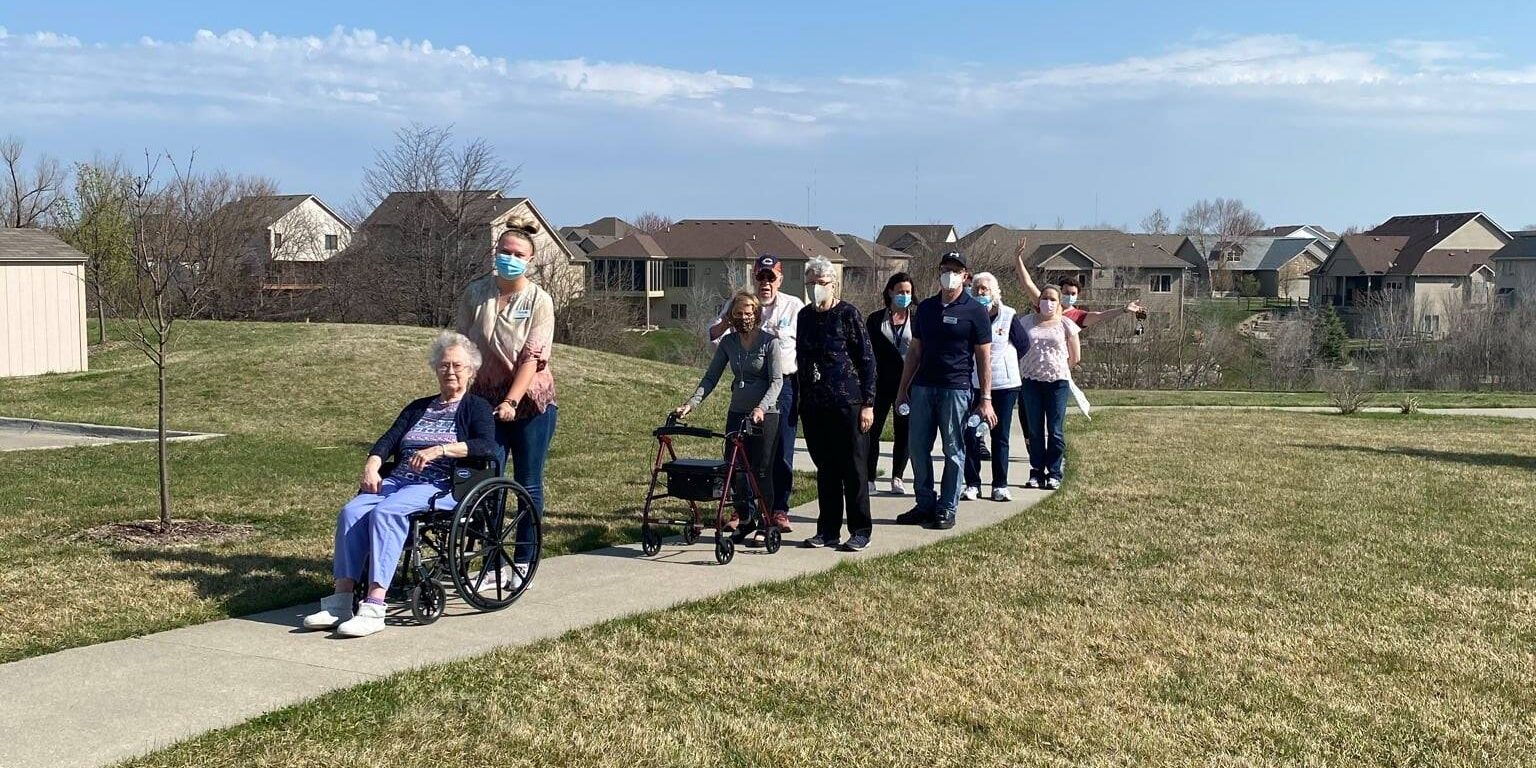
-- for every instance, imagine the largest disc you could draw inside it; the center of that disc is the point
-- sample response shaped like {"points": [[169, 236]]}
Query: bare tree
{"points": [[412, 263], [177, 255], [1156, 223], [1219, 227], [1290, 352], [1388, 325], [651, 222], [28, 196]]}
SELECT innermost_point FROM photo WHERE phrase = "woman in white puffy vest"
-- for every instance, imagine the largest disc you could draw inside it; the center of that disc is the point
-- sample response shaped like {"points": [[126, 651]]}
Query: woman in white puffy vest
{"points": [[1007, 346]]}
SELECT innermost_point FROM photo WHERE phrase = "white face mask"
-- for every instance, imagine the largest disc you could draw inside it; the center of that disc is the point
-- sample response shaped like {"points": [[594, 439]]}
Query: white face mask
{"points": [[951, 280], [1047, 306], [820, 294]]}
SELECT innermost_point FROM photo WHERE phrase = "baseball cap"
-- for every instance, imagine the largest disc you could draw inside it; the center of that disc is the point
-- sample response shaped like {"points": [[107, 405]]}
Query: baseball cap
{"points": [[767, 263], [953, 257]]}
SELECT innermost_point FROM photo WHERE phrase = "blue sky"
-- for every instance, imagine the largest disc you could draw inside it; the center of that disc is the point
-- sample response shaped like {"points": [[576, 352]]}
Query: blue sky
{"points": [[1022, 113]]}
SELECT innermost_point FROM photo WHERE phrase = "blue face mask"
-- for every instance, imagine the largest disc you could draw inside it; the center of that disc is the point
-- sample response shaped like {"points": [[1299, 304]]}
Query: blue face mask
{"points": [[902, 300], [1069, 299], [984, 301], [509, 267]]}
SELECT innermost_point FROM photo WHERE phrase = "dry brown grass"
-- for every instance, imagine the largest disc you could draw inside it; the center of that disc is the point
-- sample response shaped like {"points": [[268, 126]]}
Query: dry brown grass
{"points": [[1266, 589]]}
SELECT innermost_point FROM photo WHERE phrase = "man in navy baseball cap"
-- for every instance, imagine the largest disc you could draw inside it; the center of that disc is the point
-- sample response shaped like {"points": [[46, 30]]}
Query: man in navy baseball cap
{"points": [[768, 263]]}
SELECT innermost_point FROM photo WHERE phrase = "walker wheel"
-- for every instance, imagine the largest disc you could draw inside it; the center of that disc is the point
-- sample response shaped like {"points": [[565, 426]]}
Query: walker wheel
{"points": [[428, 602], [690, 534], [773, 540], [650, 541], [725, 549]]}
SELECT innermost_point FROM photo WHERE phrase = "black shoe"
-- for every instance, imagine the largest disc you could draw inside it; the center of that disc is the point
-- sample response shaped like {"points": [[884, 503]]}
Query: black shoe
{"points": [[942, 522], [818, 541], [914, 516], [855, 543]]}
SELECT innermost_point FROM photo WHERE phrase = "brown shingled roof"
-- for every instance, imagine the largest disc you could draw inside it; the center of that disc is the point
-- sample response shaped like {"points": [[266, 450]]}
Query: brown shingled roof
{"points": [[705, 239], [1376, 254]]}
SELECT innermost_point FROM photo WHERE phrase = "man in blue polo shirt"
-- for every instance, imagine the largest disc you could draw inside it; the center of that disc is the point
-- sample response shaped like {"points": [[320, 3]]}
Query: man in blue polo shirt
{"points": [[951, 337]]}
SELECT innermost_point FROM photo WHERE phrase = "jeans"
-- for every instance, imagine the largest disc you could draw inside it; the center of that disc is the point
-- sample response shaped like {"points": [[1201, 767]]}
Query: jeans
{"points": [[937, 413], [883, 408], [372, 528], [1045, 409], [784, 462], [526, 443], [761, 451], [838, 448], [1003, 401]]}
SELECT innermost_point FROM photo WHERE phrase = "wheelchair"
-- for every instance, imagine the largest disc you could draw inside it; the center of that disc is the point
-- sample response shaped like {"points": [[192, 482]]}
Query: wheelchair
{"points": [[465, 546]]}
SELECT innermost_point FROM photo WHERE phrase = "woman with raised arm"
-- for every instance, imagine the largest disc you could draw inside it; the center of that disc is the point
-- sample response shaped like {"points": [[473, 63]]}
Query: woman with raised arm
{"points": [[1069, 290], [1046, 370]]}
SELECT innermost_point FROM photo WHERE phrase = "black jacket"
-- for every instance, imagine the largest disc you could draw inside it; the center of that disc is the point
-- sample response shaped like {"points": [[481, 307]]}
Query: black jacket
{"points": [[888, 361], [474, 423]]}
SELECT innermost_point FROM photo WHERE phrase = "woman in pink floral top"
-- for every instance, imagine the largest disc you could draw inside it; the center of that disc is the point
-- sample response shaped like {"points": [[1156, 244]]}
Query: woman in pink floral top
{"points": [[1047, 372], [512, 322]]}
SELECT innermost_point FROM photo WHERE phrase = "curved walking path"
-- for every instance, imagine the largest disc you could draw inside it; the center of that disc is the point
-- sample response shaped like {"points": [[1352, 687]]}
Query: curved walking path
{"points": [[103, 703]]}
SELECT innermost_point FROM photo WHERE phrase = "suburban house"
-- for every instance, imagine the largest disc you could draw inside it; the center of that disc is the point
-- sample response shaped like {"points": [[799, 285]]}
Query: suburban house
{"points": [[1270, 266], [1297, 230], [678, 277], [42, 304], [919, 240], [869, 263], [1439, 263], [473, 221], [1515, 267], [289, 239], [1113, 267], [598, 234]]}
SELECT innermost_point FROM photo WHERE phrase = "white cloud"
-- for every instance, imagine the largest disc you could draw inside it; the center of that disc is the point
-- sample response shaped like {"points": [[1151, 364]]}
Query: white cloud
{"points": [[645, 83], [793, 117]]}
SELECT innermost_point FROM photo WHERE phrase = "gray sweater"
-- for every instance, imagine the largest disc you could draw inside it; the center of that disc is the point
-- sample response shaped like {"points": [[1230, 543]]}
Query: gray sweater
{"points": [[758, 379]]}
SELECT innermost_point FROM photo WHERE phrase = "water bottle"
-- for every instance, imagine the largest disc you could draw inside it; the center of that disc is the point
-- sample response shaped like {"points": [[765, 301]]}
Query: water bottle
{"points": [[975, 423], [904, 409]]}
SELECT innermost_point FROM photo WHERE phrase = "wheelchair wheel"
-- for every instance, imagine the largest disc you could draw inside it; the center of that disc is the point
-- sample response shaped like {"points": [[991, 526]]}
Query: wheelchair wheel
{"points": [[485, 539], [428, 601], [725, 549], [650, 541], [773, 539]]}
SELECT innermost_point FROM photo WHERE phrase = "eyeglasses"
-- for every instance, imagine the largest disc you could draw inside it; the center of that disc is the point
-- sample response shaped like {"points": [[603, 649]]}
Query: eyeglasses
{"points": [[767, 277], [448, 367]]}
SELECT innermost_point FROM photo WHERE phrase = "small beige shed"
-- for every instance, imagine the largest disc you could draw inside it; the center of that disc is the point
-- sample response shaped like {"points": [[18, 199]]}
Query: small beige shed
{"points": [[42, 304]]}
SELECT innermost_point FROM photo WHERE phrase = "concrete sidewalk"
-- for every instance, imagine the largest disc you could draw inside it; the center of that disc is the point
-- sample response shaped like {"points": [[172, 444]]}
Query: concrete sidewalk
{"points": [[104, 703]]}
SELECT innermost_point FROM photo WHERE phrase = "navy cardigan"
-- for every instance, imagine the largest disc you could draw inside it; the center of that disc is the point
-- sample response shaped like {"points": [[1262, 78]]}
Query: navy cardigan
{"points": [[474, 423]]}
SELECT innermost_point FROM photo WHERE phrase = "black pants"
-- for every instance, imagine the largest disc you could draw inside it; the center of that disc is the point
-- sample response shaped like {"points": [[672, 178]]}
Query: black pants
{"points": [[761, 451], [841, 452], [883, 407]]}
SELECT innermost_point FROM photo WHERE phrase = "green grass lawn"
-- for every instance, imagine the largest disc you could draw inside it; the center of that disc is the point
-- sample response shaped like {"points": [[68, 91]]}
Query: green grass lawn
{"points": [[1362, 600], [301, 405], [1146, 397]]}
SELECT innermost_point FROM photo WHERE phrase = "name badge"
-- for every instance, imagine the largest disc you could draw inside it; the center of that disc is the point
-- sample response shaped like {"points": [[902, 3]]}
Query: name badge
{"points": [[522, 314], [951, 320]]}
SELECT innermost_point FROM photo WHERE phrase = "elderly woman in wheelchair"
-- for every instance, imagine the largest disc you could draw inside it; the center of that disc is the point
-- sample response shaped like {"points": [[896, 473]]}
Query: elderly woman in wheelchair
{"points": [[424, 442]]}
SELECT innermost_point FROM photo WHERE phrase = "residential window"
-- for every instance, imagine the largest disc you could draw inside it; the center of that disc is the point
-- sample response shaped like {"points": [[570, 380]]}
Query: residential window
{"points": [[277, 241], [1162, 284], [1432, 324], [332, 242], [679, 311], [679, 274], [618, 274]]}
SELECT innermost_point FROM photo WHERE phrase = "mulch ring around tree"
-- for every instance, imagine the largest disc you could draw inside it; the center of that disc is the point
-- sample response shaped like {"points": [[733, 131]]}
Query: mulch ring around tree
{"points": [[182, 533]]}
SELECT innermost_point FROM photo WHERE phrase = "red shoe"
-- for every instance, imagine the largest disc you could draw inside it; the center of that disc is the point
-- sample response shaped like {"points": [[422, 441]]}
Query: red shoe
{"points": [[781, 519]]}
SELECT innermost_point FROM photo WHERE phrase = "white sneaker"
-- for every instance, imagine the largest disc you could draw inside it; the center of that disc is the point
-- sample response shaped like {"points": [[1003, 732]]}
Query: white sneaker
{"points": [[1001, 494], [971, 493], [334, 609], [511, 577], [897, 487], [369, 619]]}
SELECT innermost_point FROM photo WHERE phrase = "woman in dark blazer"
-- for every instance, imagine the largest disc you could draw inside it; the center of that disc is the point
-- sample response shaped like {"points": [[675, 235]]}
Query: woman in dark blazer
{"points": [[889, 335]]}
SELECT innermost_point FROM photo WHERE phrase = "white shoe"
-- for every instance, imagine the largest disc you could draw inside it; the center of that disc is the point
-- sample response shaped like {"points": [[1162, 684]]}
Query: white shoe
{"points": [[897, 487], [334, 609], [872, 490], [511, 577], [971, 493], [369, 619], [1001, 494]]}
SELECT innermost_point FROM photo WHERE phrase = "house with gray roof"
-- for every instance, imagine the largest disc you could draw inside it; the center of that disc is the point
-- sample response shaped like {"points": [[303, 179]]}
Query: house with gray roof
{"points": [[289, 238], [919, 240], [1279, 266], [1514, 267], [679, 276], [1439, 263], [1113, 267]]}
